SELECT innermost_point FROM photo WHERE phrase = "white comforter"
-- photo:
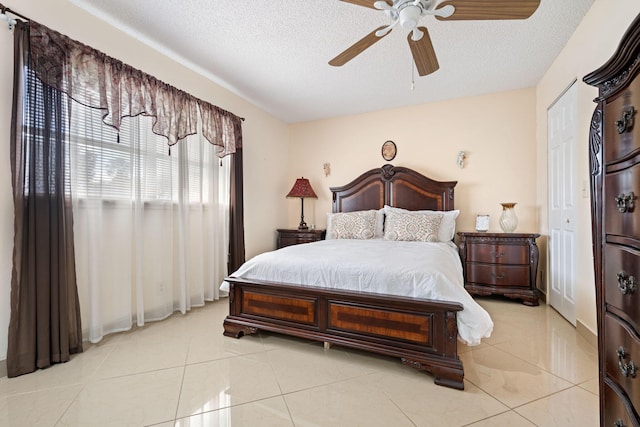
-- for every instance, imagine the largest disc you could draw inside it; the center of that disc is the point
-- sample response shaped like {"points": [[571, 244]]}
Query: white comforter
{"points": [[414, 269]]}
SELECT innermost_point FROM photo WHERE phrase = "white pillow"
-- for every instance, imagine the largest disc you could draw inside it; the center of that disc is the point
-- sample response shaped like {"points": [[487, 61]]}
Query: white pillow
{"points": [[447, 225], [412, 226], [352, 225]]}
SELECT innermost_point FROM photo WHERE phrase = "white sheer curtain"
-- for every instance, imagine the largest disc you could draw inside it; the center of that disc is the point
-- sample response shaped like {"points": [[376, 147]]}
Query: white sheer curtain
{"points": [[151, 229]]}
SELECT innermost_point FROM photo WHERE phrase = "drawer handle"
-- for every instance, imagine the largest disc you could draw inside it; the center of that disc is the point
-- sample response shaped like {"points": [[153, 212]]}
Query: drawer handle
{"points": [[626, 369], [618, 423], [497, 276], [497, 254], [626, 121], [624, 202], [626, 283]]}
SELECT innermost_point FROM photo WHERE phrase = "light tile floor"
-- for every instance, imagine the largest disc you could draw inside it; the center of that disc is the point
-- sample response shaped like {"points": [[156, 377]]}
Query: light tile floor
{"points": [[534, 371]]}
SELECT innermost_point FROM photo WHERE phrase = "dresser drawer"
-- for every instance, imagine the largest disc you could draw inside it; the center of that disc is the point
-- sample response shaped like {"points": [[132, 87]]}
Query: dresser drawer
{"points": [[498, 275], [621, 275], [623, 137], [622, 354], [623, 220], [616, 411], [498, 253]]}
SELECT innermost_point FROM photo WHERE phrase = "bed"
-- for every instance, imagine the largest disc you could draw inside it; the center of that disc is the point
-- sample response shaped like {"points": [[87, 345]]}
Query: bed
{"points": [[422, 332]]}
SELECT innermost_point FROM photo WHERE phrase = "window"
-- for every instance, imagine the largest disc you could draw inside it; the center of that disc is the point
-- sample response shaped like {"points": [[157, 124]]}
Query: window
{"points": [[134, 164]]}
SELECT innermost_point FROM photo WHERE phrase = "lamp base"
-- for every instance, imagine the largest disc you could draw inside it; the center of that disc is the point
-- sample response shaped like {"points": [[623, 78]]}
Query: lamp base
{"points": [[303, 225]]}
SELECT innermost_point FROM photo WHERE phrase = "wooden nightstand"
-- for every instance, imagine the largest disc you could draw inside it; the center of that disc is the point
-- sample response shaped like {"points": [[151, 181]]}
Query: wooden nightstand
{"points": [[500, 263], [288, 237]]}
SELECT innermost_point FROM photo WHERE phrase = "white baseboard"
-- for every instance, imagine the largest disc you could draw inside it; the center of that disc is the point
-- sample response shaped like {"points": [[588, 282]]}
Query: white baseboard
{"points": [[586, 333]]}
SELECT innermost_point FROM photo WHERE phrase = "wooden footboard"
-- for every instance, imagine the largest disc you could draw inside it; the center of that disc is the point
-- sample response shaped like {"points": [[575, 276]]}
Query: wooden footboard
{"points": [[422, 333]]}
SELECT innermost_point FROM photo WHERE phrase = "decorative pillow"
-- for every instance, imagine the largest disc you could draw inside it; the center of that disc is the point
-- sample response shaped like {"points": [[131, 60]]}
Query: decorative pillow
{"points": [[351, 225], [379, 231], [413, 227], [447, 225]]}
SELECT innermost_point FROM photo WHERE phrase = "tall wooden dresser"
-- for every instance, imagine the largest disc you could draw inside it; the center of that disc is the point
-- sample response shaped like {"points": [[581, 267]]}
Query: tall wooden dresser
{"points": [[615, 188]]}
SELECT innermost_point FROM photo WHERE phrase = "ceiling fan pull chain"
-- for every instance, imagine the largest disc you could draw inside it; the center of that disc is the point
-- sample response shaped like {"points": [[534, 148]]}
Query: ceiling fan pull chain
{"points": [[413, 80]]}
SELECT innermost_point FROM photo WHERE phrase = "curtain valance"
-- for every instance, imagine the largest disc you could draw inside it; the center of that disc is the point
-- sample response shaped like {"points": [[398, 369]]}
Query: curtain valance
{"points": [[97, 80]]}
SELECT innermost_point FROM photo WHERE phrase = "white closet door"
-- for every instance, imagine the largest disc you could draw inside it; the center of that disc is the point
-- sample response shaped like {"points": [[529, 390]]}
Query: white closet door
{"points": [[561, 119]]}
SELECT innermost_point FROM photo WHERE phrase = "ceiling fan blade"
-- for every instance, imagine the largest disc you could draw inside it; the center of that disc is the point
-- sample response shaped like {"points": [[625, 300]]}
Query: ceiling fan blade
{"points": [[358, 47], [489, 9], [423, 53], [367, 3]]}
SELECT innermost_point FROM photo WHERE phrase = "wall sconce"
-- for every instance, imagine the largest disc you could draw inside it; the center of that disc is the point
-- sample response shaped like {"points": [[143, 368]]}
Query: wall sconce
{"points": [[460, 159], [327, 169], [302, 188]]}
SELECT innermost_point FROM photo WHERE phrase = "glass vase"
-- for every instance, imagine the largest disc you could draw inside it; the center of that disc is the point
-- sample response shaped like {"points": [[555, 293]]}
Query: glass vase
{"points": [[508, 219]]}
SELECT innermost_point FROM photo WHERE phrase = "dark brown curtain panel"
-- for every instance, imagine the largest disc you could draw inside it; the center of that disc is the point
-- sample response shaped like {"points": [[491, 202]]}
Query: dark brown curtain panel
{"points": [[236, 214], [45, 324], [236, 203]]}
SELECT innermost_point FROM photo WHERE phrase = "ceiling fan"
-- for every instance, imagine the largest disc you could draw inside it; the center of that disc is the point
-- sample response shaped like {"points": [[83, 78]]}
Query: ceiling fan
{"points": [[408, 13]]}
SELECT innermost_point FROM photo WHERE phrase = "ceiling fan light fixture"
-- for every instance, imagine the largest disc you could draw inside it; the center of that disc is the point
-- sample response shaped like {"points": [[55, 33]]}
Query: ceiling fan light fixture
{"points": [[409, 16]]}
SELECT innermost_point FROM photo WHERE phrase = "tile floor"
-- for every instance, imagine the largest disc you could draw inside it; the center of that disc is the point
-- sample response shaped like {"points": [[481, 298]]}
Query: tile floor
{"points": [[534, 371]]}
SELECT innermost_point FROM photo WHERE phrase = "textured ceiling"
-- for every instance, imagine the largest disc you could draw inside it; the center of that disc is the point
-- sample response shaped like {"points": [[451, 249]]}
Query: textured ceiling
{"points": [[274, 53]]}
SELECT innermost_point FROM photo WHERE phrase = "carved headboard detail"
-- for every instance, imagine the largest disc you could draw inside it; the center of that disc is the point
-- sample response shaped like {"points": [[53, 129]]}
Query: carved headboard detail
{"points": [[394, 186]]}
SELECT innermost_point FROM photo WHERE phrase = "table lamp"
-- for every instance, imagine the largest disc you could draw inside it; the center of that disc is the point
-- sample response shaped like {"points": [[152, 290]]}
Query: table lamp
{"points": [[302, 188]]}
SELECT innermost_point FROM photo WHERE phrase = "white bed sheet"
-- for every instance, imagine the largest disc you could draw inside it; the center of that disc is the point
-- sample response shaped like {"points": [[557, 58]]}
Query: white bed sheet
{"points": [[413, 269]]}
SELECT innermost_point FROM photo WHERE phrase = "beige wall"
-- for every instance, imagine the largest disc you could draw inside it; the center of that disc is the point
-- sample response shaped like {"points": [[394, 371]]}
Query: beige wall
{"points": [[496, 131], [591, 46], [265, 138]]}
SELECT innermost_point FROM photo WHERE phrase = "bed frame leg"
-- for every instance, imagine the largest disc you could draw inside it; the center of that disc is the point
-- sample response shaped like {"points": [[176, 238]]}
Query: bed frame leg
{"points": [[235, 330], [327, 345], [447, 376]]}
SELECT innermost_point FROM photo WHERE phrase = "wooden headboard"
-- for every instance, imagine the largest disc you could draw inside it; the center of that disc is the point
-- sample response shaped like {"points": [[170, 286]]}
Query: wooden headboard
{"points": [[394, 186]]}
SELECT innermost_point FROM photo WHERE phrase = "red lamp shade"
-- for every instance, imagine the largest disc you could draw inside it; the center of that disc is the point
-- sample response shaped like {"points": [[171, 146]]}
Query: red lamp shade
{"points": [[302, 188]]}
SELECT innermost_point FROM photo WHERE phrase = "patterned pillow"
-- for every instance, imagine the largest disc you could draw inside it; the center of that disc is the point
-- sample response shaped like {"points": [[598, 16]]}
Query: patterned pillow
{"points": [[351, 225], [412, 226], [447, 225]]}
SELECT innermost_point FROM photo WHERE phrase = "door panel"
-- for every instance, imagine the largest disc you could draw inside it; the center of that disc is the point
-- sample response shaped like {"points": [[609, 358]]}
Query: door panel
{"points": [[562, 203]]}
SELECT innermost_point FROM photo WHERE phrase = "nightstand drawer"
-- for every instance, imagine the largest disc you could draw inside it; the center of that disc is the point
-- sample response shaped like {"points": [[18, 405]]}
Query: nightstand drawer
{"points": [[295, 237], [498, 254], [498, 275]]}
